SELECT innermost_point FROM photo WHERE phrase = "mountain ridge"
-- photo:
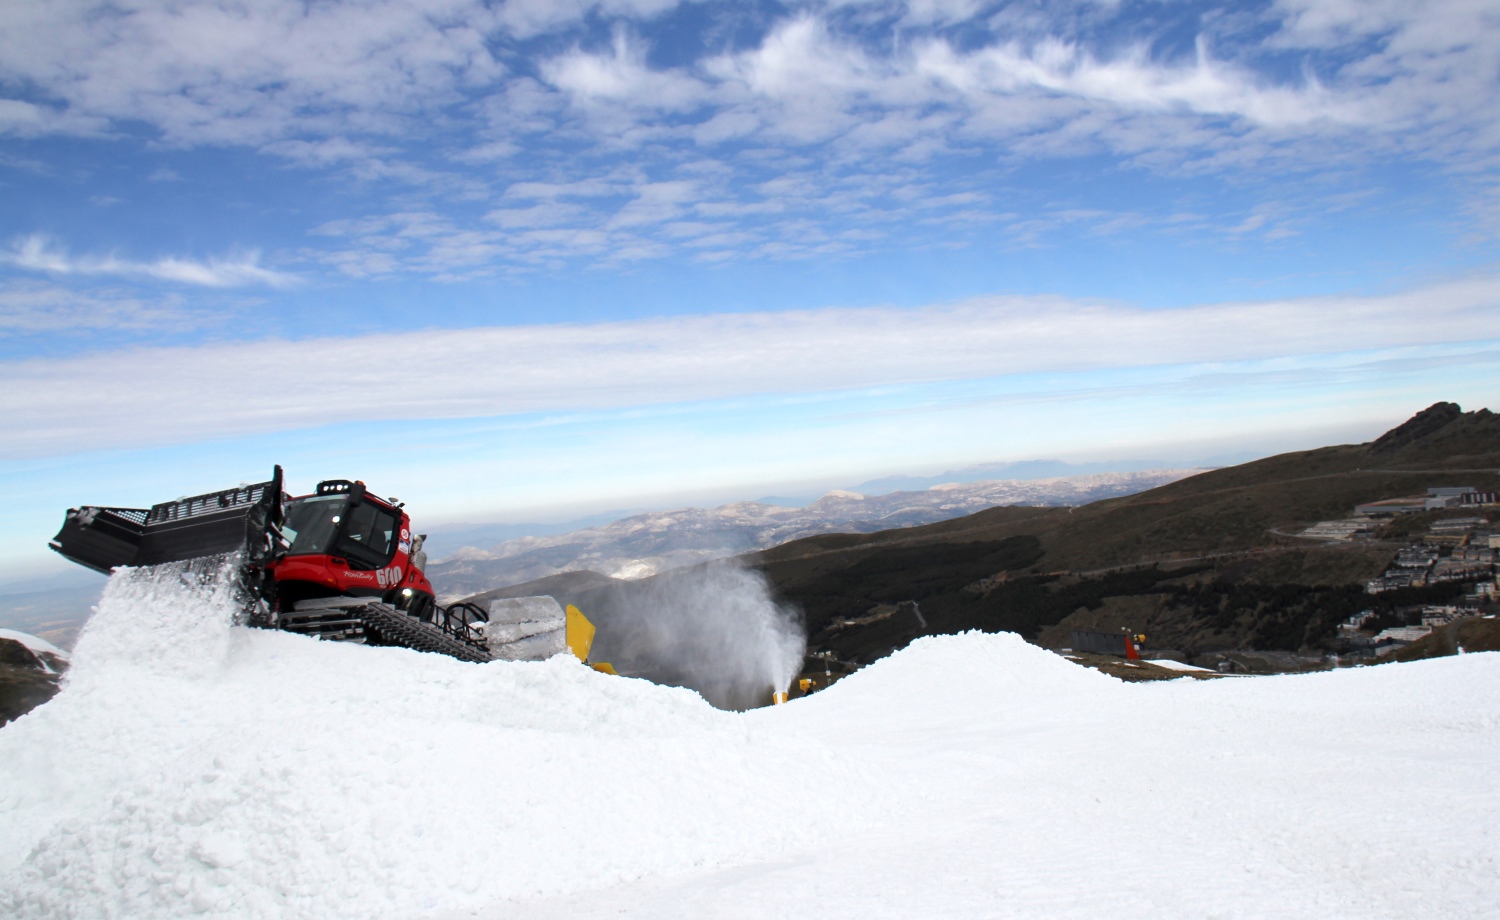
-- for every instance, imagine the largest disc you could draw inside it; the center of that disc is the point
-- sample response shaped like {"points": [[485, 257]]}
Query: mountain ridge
{"points": [[646, 544], [1204, 556]]}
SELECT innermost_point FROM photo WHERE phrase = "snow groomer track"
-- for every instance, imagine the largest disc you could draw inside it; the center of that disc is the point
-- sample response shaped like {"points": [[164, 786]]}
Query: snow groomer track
{"points": [[356, 620]]}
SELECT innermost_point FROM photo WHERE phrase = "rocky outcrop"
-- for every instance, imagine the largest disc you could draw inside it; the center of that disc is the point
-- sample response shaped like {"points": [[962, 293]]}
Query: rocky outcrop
{"points": [[31, 672], [1425, 423]]}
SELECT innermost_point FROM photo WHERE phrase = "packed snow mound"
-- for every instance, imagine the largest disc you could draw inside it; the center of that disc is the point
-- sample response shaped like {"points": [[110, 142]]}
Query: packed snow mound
{"points": [[966, 664], [1455, 694], [955, 679], [191, 766], [1173, 665]]}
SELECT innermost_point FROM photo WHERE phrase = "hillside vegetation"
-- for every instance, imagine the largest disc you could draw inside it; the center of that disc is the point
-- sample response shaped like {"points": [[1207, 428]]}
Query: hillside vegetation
{"points": [[1204, 563]]}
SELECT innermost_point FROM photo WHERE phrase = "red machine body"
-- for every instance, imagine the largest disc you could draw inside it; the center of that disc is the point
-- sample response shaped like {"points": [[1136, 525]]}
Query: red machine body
{"points": [[339, 564], [343, 541]]}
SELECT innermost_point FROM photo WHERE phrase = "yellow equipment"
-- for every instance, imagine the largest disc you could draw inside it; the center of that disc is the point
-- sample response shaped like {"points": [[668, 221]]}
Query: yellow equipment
{"points": [[581, 639]]}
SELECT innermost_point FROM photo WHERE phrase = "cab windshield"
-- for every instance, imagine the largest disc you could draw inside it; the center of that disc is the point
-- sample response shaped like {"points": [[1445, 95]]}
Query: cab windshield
{"points": [[312, 523], [326, 525], [367, 535]]}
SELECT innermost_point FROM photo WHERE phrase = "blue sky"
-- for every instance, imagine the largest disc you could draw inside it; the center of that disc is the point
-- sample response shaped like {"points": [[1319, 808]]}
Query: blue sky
{"points": [[511, 260]]}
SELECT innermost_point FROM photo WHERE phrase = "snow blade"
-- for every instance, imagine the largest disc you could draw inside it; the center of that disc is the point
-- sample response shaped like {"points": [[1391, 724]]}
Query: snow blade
{"points": [[243, 519]]}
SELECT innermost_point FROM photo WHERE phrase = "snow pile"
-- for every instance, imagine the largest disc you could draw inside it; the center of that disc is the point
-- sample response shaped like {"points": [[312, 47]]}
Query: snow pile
{"points": [[169, 619], [951, 672], [195, 768], [1172, 665], [1033, 791]]}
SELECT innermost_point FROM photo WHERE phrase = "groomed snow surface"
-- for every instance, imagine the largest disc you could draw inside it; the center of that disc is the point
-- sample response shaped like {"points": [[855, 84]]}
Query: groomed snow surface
{"points": [[1171, 665], [193, 768]]}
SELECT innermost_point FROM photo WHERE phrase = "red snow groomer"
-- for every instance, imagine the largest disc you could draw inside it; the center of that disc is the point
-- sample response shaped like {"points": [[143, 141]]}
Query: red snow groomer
{"points": [[341, 563]]}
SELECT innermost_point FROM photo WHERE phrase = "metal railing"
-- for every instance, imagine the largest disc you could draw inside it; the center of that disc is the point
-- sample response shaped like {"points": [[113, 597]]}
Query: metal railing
{"points": [[210, 503], [461, 621]]}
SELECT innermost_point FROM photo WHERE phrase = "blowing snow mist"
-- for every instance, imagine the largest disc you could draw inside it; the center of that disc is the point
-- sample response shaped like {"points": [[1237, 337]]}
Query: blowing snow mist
{"points": [[714, 628]]}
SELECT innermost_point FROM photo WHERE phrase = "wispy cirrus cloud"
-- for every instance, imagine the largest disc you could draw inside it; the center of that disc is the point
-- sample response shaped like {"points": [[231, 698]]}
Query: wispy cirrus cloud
{"points": [[456, 101], [39, 253], [175, 395], [205, 72], [28, 308], [308, 78]]}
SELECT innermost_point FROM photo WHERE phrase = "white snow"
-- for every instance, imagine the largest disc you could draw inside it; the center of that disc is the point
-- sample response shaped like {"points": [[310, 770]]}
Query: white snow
{"points": [[1171, 665], [191, 767]]}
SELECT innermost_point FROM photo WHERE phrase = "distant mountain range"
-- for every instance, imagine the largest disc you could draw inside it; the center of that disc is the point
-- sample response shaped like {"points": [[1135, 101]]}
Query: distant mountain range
{"points": [[1038, 469], [444, 540], [1201, 566], [645, 544]]}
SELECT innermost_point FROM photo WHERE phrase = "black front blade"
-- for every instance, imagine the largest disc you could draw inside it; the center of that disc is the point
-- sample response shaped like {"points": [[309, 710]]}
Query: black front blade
{"points": [[204, 525]]}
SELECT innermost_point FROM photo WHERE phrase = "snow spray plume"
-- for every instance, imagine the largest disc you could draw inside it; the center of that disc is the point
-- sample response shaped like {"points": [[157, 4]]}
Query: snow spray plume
{"points": [[713, 628], [173, 618]]}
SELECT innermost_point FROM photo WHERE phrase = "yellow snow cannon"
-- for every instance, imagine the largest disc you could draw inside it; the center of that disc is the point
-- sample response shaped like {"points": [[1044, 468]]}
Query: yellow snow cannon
{"points": [[580, 638]]}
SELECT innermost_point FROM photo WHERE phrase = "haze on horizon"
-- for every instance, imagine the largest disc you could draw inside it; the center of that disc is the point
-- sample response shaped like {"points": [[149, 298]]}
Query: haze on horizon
{"points": [[512, 259]]}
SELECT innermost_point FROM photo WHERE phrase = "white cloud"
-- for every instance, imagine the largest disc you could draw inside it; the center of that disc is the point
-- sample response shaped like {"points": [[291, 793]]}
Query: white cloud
{"points": [[806, 84], [14, 113], [525, 18], [598, 187], [310, 76], [487, 153], [38, 253], [169, 395], [656, 202], [621, 77], [919, 12], [610, 218], [232, 73], [1134, 81], [1325, 23], [31, 307], [326, 152], [843, 94], [545, 214], [27, 119], [726, 126]]}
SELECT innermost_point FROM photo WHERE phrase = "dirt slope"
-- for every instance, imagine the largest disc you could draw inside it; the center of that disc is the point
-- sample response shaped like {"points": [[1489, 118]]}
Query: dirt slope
{"points": [[1204, 561]]}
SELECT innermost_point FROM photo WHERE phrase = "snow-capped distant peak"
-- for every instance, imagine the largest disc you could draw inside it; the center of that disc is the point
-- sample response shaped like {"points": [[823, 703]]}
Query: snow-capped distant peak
{"points": [[38, 646], [652, 542], [633, 570], [52, 659], [840, 493]]}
